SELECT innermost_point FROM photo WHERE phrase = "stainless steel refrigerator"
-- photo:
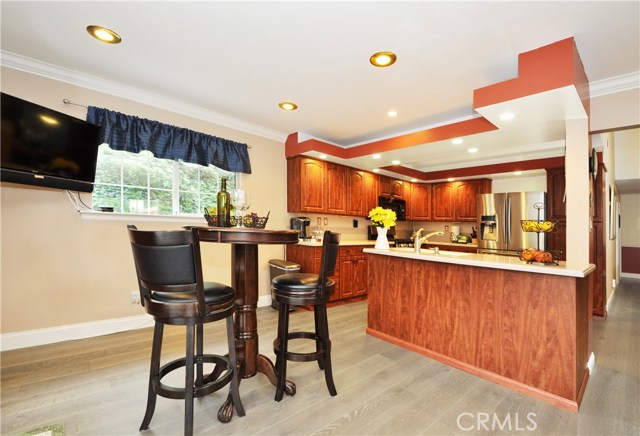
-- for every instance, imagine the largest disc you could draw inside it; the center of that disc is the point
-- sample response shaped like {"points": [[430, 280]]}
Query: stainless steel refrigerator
{"points": [[499, 228]]}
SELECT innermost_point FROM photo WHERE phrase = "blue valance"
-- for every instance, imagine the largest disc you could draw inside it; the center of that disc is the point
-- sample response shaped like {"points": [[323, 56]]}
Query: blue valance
{"points": [[134, 134]]}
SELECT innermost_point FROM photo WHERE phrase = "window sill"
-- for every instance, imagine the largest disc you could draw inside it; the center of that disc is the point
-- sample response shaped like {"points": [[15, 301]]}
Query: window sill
{"points": [[114, 216]]}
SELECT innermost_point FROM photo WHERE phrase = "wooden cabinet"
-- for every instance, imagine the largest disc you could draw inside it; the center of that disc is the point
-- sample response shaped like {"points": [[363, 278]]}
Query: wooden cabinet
{"points": [[456, 201], [351, 268], [391, 187], [324, 187], [336, 185], [556, 211], [420, 202], [306, 188], [362, 192], [442, 202]]}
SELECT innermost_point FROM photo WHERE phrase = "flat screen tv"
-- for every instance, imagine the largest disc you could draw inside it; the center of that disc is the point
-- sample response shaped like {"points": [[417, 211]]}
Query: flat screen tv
{"points": [[43, 147]]}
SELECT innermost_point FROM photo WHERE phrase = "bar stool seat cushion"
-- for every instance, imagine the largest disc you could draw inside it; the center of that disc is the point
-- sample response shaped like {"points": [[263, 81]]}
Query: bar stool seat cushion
{"points": [[214, 293]]}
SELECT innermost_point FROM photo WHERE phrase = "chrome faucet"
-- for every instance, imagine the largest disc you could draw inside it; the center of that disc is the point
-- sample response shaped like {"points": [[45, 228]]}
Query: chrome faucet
{"points": [[417, 240]]}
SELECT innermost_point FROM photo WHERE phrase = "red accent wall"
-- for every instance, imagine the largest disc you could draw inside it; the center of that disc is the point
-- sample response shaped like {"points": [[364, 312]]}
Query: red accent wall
{"points": [[630, 260]]}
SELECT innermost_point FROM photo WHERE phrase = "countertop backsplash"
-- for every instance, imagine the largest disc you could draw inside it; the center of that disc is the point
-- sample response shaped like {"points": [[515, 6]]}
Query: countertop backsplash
{"points": [[404, 229]]}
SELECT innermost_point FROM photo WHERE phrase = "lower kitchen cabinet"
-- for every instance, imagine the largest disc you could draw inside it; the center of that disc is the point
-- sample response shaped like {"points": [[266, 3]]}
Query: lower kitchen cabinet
{"points": [[351, 268]]}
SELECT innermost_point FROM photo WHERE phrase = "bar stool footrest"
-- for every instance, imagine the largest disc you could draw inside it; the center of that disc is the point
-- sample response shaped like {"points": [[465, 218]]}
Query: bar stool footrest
{"points": [[176, 393]]}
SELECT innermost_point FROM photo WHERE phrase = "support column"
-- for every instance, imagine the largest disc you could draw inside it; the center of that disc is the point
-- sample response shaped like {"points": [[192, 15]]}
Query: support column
{"points": [[577, 190]]}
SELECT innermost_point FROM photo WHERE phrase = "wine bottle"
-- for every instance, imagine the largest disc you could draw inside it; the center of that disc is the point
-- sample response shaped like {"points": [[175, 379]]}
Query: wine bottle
{"points": [[224, 206]]}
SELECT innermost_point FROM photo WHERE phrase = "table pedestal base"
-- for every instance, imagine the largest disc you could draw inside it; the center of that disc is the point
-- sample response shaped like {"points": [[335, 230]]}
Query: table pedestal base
{"points": [[266, 367]]}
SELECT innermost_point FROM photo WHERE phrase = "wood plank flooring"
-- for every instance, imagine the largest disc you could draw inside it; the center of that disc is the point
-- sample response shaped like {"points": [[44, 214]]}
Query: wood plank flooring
{"points": [[97, 386]]}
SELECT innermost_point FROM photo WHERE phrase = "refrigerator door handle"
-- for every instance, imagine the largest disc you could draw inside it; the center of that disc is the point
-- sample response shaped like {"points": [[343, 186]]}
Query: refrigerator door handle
{"points": [[507, 223]]}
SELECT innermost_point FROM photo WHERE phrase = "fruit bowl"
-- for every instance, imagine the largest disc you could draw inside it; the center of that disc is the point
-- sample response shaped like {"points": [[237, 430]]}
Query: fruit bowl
{"points": [[538, 226], [533, 255]]}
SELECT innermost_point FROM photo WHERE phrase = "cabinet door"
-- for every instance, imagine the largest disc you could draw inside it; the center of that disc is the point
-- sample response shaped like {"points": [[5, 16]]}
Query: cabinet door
{"points": [[359, 275], [397, 188], [356, 192], [370, 192], [384, 183], [555, 195], [336, 189], [421, 202], [465, 200], [442, 202], [406, 195], [305, 185], [346, 274]]}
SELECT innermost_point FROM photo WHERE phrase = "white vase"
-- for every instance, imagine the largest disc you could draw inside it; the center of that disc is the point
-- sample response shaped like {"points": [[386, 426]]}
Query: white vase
{"points": [[382, 243]]}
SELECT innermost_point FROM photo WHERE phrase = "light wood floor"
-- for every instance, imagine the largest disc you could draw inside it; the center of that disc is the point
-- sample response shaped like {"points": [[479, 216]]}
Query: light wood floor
{"points": [[98, 387]]}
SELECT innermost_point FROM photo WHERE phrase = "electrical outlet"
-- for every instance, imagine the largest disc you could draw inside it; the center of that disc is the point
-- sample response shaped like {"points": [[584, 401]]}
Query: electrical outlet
{"points": [[135, 297], [355, 223], [446, 228], [319, 221], [326, 221]]}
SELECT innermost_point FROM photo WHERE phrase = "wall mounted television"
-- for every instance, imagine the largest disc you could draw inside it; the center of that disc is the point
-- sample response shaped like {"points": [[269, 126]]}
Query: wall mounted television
{"points": [[43, 147]]}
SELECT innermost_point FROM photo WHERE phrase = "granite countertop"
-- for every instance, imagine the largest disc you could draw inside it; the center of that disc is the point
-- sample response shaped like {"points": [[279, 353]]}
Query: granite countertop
{"points": [[570, 269]]}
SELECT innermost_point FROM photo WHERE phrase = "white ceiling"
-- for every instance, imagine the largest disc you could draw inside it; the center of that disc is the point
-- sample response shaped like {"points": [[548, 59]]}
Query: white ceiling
{"points": [[234, 61]]}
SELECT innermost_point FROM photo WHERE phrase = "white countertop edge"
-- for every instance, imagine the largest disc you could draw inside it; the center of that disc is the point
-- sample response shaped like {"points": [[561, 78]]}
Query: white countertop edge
{"points": [[345, 242], [492, 261]]}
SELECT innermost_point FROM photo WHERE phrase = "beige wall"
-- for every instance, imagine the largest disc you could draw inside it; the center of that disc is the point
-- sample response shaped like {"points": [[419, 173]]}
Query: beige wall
{"points": [[612, 111], [630, 220], [59, 269]]}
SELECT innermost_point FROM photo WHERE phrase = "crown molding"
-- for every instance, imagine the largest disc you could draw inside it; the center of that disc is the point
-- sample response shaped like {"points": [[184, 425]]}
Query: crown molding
{"points": [[61, 74], [625, 82]]}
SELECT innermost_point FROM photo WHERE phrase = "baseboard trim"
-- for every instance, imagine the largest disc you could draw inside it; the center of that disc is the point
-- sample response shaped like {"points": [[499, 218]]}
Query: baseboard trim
{"points": [[630, 275], [52, 335]]}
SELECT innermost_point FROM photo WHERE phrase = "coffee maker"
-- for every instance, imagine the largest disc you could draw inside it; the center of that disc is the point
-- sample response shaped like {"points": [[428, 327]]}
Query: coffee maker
{"points": [[301, 223]]}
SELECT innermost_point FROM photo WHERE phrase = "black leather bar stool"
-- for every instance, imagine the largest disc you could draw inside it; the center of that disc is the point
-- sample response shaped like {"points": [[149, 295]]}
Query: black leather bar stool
{"points": [[172, 290], [306, 289]]}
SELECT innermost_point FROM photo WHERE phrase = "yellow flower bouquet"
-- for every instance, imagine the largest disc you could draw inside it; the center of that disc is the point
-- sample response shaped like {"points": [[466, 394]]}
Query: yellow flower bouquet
{"points": [[382, 217]]}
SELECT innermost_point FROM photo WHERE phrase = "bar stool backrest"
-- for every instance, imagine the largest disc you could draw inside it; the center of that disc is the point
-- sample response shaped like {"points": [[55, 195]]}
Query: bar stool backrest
{"points": [[330, 248]]}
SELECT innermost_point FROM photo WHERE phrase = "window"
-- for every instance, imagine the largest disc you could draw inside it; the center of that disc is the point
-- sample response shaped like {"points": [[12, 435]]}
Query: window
{"points": [[141, 183]]}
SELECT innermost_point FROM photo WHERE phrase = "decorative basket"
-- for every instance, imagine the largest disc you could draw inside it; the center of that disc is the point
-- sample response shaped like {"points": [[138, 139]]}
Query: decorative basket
{"points": [[254, 221], [538, 226], [212, 220], [532, 255]]}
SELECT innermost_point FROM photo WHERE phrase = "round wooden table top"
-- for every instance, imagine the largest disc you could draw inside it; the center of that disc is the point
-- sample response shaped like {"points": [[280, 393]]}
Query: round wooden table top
{"points": [[246, 235]]}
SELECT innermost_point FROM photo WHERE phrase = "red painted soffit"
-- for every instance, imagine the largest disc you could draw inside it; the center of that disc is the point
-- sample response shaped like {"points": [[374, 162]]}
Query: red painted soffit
{"points": [[546, 68]]}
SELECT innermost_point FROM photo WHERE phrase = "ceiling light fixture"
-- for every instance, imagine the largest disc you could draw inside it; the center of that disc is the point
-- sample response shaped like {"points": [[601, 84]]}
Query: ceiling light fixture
{"points": [[383, 59], [451, 179], [395, 162], [287, 106], [414, 180], [104, 35], [517, 173], [323, 156], [472, 150], [507, 116], [392, 114], [376, 156], [376, 170], [457, 141]]}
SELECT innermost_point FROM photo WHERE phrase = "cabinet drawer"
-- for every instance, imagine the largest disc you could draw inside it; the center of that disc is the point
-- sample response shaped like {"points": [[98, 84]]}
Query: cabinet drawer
{"points": [[350, 251]]}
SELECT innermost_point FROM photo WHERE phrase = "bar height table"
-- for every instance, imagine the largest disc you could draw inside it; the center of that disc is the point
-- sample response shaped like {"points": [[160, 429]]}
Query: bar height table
{"points": [[244, 264]]}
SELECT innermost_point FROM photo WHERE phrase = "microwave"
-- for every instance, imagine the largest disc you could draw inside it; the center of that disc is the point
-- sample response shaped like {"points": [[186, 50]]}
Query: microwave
{"points": [[398, 205]]}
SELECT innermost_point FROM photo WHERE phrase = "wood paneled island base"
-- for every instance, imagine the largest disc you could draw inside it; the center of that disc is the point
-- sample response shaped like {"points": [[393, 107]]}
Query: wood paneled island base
{"points": [[527, 331]]}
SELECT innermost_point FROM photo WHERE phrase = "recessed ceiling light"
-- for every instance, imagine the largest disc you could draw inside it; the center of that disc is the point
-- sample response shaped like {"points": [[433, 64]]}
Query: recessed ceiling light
{"points": [[383, 59], [472, 150], [103, 34], [323, 156], [517, 173], [395, 162], [288, 106], [506, 116], [414, 180], [457, 141], [451, 179], [376, 170], [376, 156], [392, 114]]}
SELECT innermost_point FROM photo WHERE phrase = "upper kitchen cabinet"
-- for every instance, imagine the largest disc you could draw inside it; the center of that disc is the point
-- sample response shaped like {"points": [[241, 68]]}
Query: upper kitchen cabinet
{"points": [[306, 188], [325, 187], [391, 187], [362, 192], [420, 202], [456, 201], [336, 186]]}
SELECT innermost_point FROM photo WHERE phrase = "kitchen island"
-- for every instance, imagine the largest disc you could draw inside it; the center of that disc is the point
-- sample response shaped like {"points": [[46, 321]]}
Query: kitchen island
{"points": [[524, 326]]}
